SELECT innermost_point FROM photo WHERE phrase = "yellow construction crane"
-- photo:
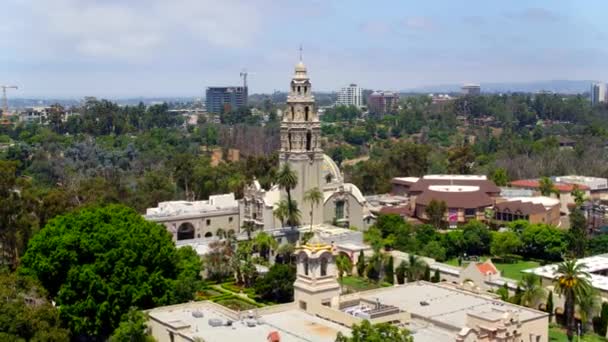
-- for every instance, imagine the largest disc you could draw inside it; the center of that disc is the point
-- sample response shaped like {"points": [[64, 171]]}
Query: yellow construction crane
{"points": [[4, 98]]}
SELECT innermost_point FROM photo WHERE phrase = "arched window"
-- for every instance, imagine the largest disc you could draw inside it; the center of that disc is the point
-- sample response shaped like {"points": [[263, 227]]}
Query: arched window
{"points": [[293, 113], [305, 89], [306, 111], [323, 267], [308, 140], [208, 234], [185, 231], [299, 90], [289, 138], [305, 265]]}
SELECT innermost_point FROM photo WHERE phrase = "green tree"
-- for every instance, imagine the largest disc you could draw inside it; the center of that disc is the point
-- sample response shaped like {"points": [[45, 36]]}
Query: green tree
{"points": [[549, 305], [281, 211], [389, 274], [544, 242], [366, 332], [344, 265], [436, 276], [603, 321], [248, 227], [111, 254], [400, 272], [435, 213], [277, 284], [265, 243], [588, 307], [25, 312], [132, 328], [577, 234], [287, 179], [499, 177], [546, 186], [573, 283], [505, 244], [313, 196], [578, 195], [361, 264], [531, 290], [434, 250], [476, 238], [503, 292], [415, 268], [427, 273]]}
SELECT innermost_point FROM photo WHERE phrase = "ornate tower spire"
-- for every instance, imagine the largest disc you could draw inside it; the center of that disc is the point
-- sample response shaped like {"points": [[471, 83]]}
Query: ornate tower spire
{"points": [[300, 139]]}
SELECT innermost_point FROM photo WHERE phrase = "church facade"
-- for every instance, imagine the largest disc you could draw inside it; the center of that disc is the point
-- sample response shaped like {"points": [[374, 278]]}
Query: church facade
{"points": [[343, 204]]}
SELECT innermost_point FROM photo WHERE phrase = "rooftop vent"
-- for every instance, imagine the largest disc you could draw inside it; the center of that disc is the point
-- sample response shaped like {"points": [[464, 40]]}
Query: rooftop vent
{"points": [[197, 314], [424, 303], [215, 322]]}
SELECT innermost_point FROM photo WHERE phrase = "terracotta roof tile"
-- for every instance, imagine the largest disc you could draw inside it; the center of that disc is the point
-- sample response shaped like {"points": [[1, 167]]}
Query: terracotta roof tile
{"points": [[486, 268], [535, 184]]}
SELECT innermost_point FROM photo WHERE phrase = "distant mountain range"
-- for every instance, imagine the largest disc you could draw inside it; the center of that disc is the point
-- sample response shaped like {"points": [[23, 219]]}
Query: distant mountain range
{"points": [[556, 86]]}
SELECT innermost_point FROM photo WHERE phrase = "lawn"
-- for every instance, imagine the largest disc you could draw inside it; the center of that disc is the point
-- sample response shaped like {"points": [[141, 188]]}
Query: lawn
{"points": [[358, 284], [236, 304], [557, 334], [512, 270]]}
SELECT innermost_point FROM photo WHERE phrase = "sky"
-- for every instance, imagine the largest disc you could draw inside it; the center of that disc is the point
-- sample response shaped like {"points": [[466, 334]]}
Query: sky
{"points": [[123, 48]]}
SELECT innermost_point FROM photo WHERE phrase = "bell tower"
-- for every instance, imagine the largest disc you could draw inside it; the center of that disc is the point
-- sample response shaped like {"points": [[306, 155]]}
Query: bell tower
{"points": [[300, 143], [316, 284]]}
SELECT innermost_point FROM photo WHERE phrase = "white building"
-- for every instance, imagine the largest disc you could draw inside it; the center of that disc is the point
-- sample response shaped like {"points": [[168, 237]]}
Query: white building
{"points": [[471, 89], [198, 219], [598, 93], [350, 96]]}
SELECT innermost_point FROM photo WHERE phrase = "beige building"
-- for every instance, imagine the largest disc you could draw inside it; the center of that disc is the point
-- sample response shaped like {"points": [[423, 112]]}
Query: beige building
{"points": [[197, 219], [535, 209], [343, 203]]}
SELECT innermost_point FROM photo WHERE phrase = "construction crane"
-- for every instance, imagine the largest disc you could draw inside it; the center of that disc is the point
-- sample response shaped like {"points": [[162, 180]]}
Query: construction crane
{"points": [[4, 98], [243, 75]]}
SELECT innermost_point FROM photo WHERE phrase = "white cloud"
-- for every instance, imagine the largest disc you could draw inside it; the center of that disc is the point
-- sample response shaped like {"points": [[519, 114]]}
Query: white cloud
{"points": [[140, 29]]}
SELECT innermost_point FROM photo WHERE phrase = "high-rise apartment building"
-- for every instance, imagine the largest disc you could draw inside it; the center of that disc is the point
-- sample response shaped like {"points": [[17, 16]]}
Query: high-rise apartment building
{"points": [[350, 96], [471, 89], [221, 100], [383, 102], [598, 93]]}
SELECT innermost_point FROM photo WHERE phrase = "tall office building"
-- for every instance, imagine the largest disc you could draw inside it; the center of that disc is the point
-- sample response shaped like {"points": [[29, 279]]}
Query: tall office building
{"points": [[350, 96], [598, 93], [382, 102], [471, 89], [224, 99]]}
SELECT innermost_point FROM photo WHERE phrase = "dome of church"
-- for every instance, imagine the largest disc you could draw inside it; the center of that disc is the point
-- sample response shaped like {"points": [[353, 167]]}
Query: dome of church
{"points": [[300, 67], [331, 168]]}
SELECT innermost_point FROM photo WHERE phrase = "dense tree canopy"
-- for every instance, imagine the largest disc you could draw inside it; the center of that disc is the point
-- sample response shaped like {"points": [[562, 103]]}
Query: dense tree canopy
{"points": [[98, 262], [25, 312]]}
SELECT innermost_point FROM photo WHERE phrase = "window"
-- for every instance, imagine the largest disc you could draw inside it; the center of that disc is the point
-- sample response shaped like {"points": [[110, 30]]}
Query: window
{"points": [[469, 212], [306, 266], [299, 90], [208, 222], [303, 305], [306, 111], [323, 267], [208, 234], [230, 219], [308, 140], [293, 114], [339, 210]]}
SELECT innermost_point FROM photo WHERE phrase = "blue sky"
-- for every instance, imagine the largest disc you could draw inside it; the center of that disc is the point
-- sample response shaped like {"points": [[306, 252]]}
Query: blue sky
{"points": [[117, 48]]}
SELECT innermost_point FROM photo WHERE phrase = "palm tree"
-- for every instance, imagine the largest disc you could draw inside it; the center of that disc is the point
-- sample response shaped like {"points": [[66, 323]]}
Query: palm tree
{"points": [[588, 307], [265, 243], [314, 196], [248, 227], [293, 213], [344, 265], [572, 282], [287, 179], [415, 268], [531, 291], [281, 211]]}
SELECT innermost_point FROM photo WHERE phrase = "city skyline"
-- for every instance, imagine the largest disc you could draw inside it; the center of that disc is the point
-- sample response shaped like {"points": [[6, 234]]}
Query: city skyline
{"points": [[156, 48]]}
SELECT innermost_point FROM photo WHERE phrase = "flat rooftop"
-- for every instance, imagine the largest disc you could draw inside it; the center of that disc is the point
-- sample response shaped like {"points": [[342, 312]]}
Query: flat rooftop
{"points": [[445, 304], [592, 264], [292, 324]]}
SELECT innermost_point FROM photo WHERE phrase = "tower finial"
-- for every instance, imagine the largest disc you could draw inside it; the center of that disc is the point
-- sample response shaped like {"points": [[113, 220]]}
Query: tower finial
{"points": [[300, 52]]}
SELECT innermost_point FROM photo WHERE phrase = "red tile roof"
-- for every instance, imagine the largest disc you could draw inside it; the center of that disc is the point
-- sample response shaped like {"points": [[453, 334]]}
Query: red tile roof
{"points": [[535, 184], [486, 267], [273, 336], [402, 210]]}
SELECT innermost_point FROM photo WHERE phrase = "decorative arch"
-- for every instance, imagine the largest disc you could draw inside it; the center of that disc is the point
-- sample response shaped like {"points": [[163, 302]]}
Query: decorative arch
{"points": [[324, 263], [208, 234], [185, 231]]}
